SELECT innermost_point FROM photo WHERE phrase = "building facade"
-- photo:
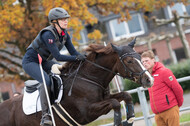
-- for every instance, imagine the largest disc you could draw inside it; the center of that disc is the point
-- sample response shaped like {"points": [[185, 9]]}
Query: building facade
{"points": [[142, 26]]}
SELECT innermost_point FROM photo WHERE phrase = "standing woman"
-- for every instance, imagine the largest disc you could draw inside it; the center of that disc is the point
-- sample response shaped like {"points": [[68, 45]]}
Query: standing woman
{"points": [[48, 43]]}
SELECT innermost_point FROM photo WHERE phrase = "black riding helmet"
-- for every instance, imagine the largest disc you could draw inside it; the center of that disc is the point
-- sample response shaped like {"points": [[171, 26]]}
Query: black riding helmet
{"points": [[57, 13]]}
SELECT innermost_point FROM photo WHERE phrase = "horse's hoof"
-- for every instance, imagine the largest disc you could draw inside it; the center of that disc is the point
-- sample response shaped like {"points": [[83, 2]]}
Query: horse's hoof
{"points": [[131, 120], [125, 123]]}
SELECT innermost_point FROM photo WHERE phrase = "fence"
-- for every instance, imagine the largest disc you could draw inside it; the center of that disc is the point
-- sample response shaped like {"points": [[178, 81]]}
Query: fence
{"points": [[144, 105]]}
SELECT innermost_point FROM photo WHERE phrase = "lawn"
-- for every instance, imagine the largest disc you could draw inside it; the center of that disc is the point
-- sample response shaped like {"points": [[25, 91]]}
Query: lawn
{"points": [[183, 118]]}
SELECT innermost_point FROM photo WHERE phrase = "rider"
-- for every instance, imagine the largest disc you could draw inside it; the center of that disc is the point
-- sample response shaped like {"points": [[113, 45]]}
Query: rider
{"points": [[48, 43]]}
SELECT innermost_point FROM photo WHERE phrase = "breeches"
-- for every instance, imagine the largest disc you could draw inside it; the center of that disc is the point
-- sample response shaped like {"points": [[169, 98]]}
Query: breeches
{"points": [[169, 117], [33, 70]]}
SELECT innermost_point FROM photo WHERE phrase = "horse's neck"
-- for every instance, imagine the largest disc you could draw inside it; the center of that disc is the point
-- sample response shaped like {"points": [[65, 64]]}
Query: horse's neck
{"points": [[100, 75]]}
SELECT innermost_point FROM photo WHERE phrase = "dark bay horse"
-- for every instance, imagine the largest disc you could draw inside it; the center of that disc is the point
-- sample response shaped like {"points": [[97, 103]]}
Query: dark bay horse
{"points": [[90, 97]]}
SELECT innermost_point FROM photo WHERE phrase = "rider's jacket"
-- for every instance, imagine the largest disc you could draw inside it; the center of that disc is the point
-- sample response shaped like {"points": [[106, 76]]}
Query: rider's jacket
{"points": [[166, 91], [40, 46]]}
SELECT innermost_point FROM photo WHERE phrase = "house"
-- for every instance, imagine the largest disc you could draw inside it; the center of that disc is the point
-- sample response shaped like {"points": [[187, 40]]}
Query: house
{"points": [[7, 89], [142, 26]]}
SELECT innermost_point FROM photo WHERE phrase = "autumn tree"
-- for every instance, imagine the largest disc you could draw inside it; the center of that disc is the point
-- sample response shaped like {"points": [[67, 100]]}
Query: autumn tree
{"points": [[21, 20]]}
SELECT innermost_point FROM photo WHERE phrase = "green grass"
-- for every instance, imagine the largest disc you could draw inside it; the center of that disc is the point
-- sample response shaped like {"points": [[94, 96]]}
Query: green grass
{"points": [[101, 122], [183, 118], [110, 120]]}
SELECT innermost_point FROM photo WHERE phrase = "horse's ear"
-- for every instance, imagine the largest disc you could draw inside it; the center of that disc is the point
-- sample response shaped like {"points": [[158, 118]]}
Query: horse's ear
{"points": [[132, 43], [115, 48]]}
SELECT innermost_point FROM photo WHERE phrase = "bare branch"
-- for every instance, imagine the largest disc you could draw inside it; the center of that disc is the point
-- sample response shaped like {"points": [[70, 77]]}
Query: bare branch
{"points": [[22, 77], [12, 62], [160, 22], [1, 50]]}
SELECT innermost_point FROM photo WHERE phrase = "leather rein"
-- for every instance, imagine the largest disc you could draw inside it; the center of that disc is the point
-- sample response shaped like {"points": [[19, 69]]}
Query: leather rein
{"points": [[126, 69], [99, 66]]}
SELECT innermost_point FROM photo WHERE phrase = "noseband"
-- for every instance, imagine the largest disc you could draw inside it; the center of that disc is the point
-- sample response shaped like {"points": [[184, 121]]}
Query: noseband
{"points": [[131, 74]]}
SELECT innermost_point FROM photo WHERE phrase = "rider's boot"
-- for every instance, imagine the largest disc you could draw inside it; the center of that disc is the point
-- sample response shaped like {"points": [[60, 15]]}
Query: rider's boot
{"points": [[130, 112], [46, 118]]}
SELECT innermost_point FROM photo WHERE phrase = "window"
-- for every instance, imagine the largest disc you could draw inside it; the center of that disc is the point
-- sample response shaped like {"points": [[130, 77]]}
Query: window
{"points": [[180, 53], [5, 96], [133, 27], [180, 8]]}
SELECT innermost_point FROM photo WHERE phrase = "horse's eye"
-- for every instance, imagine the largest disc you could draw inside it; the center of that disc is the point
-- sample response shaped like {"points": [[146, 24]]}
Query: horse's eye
{"points": [[129, 61]]}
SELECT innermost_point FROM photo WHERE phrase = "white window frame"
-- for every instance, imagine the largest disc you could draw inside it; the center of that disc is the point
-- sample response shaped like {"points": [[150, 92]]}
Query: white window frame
{"points": [[170, 13], [141, 25], [127, 35]]}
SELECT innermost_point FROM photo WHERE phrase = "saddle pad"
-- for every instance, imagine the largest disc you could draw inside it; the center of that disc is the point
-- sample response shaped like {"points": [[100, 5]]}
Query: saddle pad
{"points": [[30, 100]]}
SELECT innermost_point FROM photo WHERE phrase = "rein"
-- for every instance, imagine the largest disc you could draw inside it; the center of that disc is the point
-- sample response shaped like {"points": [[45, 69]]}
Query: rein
{"points": [[103, 68], [99, 66]]}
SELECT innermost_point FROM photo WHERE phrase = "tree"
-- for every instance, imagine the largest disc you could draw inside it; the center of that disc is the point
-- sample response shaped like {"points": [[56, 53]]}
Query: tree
{"points": [[22, 20]]}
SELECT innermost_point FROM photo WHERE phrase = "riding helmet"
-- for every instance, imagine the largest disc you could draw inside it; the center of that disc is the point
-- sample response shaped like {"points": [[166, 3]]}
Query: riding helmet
{"points": [[57, 13]]}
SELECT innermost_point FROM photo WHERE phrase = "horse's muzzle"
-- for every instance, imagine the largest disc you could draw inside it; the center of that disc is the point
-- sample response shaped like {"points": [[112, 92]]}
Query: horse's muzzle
{"points": [[147, 80]]}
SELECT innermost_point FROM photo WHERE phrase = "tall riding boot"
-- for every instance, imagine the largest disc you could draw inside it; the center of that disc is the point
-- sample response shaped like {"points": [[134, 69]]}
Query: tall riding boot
{"points": [[46, 118], [130, 112]]}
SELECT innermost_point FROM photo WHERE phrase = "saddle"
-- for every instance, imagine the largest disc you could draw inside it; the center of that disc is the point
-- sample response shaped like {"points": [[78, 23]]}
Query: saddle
{"points": [[56, 82]]}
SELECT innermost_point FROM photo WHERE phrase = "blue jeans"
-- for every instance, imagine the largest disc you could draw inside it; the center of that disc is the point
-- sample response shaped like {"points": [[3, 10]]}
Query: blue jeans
{"points": [[33, 70]]}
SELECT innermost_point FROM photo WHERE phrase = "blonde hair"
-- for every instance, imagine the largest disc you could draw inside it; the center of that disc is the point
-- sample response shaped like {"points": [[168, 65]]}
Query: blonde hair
{"points": [[148, 53]]}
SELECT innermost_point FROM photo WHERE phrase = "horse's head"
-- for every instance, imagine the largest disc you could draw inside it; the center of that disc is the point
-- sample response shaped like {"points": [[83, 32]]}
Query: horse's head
{"points": [[130, 65]]}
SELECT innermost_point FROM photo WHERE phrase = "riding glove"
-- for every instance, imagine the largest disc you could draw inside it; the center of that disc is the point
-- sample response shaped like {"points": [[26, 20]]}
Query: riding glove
{"points": [[80, 57]]}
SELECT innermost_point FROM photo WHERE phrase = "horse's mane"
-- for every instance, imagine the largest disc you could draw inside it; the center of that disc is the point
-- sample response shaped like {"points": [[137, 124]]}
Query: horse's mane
{"points": [[99, 48], [93, 50]]}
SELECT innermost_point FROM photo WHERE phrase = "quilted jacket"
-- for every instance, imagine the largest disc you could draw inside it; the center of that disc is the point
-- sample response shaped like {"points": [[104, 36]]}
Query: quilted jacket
{"points": [[166, 91]]}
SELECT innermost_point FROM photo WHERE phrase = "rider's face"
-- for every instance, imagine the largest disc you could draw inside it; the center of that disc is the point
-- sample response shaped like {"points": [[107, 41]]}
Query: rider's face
{"points": [[63, 22]]}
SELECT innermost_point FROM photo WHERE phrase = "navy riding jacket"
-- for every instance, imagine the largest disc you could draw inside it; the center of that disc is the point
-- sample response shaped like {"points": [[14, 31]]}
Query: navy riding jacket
{"points": [[49, 40]]}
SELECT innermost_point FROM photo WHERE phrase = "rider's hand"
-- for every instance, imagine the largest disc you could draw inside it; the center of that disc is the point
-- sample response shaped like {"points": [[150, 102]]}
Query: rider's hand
{"points": [[56, 68], [80, 57]]}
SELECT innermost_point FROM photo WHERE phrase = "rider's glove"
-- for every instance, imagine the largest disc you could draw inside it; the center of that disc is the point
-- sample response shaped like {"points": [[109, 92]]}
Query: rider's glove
{"points": [[56, 68], [80, 57]]}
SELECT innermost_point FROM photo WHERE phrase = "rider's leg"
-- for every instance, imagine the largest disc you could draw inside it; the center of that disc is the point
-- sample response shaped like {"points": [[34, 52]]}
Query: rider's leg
{"points": [[46, 119], [36, 74]]}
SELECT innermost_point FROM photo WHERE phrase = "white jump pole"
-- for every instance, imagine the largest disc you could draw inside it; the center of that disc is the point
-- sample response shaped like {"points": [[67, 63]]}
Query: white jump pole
{"points": [[116, 79], [47, 95]]}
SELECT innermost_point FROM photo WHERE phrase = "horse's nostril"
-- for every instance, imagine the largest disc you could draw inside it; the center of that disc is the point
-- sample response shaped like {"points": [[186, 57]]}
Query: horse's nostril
{"points": [[148, 81]]}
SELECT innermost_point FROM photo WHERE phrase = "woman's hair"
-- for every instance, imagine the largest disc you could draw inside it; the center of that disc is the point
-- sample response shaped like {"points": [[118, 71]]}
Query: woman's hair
{"points": [[148, 53]]}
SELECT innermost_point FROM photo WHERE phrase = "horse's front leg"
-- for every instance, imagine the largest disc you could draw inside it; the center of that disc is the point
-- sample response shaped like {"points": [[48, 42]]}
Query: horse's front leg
{"points": [[103, 107], [129, 105]]}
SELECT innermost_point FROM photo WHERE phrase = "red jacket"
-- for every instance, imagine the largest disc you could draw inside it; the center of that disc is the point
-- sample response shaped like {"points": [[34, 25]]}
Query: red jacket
{"points": [[166, 91]]}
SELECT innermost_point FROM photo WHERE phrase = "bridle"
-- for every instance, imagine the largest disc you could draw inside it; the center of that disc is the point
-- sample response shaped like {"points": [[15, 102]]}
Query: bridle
{"points": [[126, 69], [131, 74], [121, 60]]}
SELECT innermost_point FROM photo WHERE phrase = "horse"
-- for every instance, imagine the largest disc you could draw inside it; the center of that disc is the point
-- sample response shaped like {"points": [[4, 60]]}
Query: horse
{"points": [[86, 87]]}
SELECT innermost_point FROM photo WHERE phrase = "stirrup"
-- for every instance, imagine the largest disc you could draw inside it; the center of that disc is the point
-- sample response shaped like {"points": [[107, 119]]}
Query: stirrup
{"points": [[46, 120]]}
